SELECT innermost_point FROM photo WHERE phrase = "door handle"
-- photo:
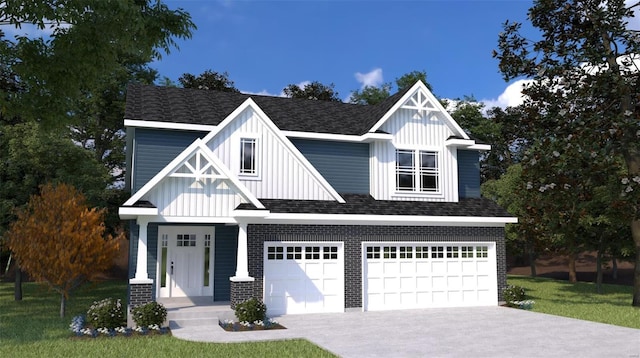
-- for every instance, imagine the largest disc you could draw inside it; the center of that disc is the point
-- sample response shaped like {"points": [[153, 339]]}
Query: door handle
{"points": [[171, 268]]}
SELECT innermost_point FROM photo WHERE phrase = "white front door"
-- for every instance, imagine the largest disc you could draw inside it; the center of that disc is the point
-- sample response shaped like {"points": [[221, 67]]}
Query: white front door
{"points": [[185, 261], [429, 274], [303, 277]]}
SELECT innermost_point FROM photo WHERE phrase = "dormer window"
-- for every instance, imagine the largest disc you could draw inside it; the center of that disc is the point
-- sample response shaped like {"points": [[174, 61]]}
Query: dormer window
{"points": [[417, 171]]}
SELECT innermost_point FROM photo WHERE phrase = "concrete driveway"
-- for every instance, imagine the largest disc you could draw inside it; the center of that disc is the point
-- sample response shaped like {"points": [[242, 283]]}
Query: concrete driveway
{"points": [[443, 332]]}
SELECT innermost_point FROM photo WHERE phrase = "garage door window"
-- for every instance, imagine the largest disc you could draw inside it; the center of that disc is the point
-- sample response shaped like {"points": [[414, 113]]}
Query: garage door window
{"points": [[482, 251], [452, 252], [275, 253], [373, 252], [466, 252], [422, 252], [330, 252], [437, 252], [406, 252], [294, 253]]}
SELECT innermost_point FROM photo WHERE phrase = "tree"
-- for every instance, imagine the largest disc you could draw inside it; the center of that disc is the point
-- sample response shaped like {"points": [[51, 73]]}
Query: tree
{"points": [[60, 241], [85, 41], [583, 101], [372, 94], [31, 156], [314, 90], [208, 80]]}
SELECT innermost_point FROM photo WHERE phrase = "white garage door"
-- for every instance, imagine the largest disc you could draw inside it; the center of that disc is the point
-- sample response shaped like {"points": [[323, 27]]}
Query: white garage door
{"points": [[303, 277], [418, 275]]}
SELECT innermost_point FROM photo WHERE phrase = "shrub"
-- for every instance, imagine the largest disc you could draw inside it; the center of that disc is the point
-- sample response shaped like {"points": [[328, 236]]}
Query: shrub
{"points": [[251, 310], [152, 313], [513, 294], [108, 313]]}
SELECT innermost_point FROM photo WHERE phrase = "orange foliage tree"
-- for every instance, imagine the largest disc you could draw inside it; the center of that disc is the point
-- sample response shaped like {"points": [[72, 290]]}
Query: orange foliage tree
{"points": [[60, 241]]}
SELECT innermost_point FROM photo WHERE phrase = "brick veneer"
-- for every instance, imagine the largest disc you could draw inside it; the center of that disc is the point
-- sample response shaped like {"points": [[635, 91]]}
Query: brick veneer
{"points": [[140, 293], [353, 236], [244, 290]]}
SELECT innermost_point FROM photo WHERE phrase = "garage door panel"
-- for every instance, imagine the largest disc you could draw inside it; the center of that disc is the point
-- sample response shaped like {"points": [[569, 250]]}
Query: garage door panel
{"points": [[415, 275], [304, 278]]}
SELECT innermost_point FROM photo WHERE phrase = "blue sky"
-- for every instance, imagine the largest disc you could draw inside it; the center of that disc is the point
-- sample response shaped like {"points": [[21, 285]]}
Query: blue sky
{"points": [[266, 45]]}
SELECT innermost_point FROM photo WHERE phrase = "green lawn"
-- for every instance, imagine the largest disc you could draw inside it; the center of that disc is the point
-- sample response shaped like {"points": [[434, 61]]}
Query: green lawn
{"points": [[580, 300], [32, 328]]}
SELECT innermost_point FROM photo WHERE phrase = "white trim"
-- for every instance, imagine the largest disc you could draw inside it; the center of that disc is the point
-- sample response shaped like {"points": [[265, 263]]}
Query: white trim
{"points": [[480, 147], [249, 103], [236, 151], [140, 281], [362, 219], [195, 219], [367, 137], [419, 86], [168, 125], [249, 213], [198, 144], [466, 144], [417, 184], [130, 212], [241, 279]]}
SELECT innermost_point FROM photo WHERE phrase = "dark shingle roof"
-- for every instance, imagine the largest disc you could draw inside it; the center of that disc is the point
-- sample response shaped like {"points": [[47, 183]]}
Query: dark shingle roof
{"points": [[357, 204], [185, 105]]}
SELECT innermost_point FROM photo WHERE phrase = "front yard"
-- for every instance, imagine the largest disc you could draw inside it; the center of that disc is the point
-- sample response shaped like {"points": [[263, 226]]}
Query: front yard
{"points": [[580, 300], [32, 328]]}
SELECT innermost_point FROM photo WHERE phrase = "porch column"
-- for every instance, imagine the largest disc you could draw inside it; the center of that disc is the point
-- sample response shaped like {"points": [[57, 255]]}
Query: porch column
{"points": [[141, 275], [242, 261]]}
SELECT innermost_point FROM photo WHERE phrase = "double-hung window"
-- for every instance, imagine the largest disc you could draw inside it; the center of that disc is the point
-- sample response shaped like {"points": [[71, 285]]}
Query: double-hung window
{"points": [[417, 171]]}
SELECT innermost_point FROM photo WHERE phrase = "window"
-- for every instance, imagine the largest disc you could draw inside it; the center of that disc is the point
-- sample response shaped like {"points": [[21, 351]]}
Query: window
{"points": [[437, 252], [389, 252], [186, 240], [275, 253], [207, 254], [406, 252], [248, 156], [422, 252], [373, 252], [417, 170], [482, 251], [452, 252], [312, 253], [467, 252], [294, 253], [330, 252]]}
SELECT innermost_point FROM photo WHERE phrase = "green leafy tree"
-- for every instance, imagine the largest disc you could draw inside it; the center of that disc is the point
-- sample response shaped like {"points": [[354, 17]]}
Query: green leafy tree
{"points": [[375, 94], [583, 101], [86, 39], [208, 80], [314, 90], [370, 94]]}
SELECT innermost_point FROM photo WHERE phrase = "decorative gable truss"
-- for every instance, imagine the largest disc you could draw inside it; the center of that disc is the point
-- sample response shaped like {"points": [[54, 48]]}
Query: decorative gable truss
{"points": [[281, 171], [195, 184]]}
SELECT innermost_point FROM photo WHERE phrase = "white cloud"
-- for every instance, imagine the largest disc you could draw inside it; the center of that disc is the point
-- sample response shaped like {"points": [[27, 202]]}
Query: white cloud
{"points": [[264, 92], [33, 31], [511, 97], [372, 78], [634, 22]]}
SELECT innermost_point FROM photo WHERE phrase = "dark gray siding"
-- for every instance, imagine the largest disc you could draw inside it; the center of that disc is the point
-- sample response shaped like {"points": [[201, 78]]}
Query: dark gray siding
{"points": [[344, 165], [226, 248], [154, 149], [468, 174]]}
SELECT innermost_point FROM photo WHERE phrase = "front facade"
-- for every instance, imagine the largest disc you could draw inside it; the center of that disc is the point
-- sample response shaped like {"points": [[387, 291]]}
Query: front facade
{"points": [[310, 206]]}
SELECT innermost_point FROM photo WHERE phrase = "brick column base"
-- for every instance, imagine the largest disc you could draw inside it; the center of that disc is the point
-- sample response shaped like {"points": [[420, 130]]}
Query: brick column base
{"points": [[140, 293], [242, 291]]}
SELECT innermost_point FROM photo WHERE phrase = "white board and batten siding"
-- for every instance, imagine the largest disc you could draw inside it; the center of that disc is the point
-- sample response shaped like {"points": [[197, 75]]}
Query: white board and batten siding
{"points": [[281, 175], [186, 197], [427, 133]]}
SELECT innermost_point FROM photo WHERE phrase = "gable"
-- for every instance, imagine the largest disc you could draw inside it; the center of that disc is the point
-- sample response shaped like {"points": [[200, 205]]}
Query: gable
{"points": [[284, 173], [419, 118], [195, 184]]}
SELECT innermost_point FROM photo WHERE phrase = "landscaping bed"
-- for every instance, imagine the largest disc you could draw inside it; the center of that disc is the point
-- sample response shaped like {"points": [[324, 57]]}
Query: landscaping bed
{"points": [[233, 326]]}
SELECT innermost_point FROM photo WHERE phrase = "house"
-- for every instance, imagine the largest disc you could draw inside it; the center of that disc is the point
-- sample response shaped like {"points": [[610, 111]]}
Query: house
{"points": [[311, 206]]}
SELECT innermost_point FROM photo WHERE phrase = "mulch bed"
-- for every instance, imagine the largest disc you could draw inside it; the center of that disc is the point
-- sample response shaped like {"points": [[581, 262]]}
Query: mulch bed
{"points": [[237, 327]]}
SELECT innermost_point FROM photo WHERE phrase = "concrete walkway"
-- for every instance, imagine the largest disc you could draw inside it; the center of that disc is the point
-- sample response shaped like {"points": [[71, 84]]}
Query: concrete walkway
{"points": [[446, 332]]}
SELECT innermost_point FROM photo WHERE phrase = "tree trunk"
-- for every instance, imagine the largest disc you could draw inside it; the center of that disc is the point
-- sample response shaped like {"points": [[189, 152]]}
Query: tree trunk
{"points": [[599, 271], [63, 305], [572, 268], [532, 258], [614, 268], [17, 289]]}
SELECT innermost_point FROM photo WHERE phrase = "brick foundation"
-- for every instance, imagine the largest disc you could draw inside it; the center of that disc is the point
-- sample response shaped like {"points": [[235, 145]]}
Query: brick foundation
{"points": [[244, 290], [139, 294]]}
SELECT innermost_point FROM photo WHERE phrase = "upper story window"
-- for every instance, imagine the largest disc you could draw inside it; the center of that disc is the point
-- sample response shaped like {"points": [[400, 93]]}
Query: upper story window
{"points": [[248, 156], [417, 171]]}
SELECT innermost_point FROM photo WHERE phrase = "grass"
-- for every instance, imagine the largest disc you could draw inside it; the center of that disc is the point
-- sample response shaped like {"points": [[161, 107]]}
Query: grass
{"points": [[580, 300], [32, 328]]}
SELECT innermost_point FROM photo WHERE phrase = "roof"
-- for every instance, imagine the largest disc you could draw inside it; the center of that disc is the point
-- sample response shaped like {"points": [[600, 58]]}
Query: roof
{"points": [[207, 107], [359, 204]]}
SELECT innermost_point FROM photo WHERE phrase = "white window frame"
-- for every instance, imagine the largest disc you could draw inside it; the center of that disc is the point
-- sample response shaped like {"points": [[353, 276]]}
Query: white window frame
{"points": [[416, 171], [257, 156]]}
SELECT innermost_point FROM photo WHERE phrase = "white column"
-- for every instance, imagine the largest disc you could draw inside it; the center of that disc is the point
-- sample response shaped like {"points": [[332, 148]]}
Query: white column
{"points": [[141, 257], [242, 260]]}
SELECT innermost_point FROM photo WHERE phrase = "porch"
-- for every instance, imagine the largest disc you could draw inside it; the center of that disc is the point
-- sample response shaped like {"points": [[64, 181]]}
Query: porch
{"points": [[195, 311]]}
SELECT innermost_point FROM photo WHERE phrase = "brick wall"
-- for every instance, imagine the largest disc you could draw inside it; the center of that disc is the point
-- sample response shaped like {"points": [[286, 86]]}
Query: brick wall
{"points": [[353, 236], [244, 290]]}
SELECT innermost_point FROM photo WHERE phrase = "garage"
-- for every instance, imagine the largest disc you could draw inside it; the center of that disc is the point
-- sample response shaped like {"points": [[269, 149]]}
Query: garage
{"points": [[420, 275], [303, 277]]}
